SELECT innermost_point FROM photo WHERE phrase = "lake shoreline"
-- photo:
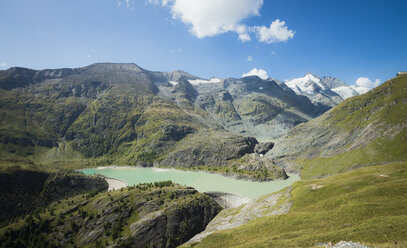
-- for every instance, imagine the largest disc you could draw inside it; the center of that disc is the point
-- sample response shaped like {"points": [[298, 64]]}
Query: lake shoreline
{"points": [[201, 180], [236, 176]]}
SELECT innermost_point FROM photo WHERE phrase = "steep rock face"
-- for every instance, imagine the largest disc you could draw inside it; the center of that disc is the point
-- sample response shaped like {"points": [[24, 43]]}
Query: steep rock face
{"points": [[173, 226], [263, 148], [148, 215], [224, 152], [209, 148], [23, 190]]}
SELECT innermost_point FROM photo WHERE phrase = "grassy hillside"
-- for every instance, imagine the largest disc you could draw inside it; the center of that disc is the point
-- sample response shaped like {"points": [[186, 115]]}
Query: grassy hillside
{"points": [[367, 205], [369, 129]]}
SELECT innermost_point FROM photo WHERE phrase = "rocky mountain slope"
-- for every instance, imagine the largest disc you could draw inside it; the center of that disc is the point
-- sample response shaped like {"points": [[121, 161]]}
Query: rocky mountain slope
{"points": [[147, 215], [123, 114], [364, 130]]}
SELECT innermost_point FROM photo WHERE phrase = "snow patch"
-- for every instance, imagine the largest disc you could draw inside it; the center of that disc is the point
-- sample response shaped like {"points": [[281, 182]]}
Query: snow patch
{"points": [[173, 83], [359, 89], [345, 91], [204, 81]]}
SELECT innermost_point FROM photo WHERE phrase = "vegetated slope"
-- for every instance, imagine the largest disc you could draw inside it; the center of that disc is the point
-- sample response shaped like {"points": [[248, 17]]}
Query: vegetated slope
{"points": [[367, 205], [23, 190], [364, 130], [159, 214], [123, 114]]}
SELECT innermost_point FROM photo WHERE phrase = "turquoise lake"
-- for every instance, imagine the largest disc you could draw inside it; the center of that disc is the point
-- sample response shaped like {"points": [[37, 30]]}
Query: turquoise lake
{"points": [[199, 180]]}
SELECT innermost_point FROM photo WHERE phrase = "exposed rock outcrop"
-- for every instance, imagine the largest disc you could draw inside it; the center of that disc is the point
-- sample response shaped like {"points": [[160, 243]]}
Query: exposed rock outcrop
{"points": [[209, 148], [264, 147]]}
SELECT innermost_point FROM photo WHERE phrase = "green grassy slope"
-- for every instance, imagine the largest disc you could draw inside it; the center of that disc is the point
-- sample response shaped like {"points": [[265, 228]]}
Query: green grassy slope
{"points": [[364, 130], [367, 205]]}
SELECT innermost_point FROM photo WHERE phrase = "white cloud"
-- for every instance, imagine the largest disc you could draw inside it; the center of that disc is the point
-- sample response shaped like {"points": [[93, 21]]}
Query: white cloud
{"points": [[2, 64], [367, 83], [212, 17], [277, 32], [364, 84], [249, 58], [256, 72], [243, 33], [208, 18]]}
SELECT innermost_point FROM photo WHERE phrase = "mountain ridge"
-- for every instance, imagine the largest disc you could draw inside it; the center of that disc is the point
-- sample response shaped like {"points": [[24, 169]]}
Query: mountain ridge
{"points": [[112, 113]]}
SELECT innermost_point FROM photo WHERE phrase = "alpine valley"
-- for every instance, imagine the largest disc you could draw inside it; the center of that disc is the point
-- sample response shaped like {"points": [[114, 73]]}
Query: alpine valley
{"points": [[349, 148]]}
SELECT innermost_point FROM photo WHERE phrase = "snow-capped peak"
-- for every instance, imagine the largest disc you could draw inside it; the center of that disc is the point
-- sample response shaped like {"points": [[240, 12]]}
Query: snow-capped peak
{"points": [[310, 76], [307, 84]]}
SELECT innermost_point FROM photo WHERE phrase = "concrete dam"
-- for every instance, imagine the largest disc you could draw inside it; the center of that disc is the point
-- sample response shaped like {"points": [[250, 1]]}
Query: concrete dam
{"points": [[228, 200]]}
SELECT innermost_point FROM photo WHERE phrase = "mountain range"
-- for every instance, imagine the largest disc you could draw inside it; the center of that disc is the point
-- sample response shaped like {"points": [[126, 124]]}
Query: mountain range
{"points": [[348, 148], [123, 114]]}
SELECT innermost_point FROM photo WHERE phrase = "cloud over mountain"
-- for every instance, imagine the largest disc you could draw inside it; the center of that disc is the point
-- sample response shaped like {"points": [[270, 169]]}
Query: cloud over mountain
{"points": [[208, 18], [364, 84], [256, 72]]}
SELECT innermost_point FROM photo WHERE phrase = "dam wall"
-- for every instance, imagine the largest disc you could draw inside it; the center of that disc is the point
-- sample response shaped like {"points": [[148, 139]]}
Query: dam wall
{"points": [[228, 200]]}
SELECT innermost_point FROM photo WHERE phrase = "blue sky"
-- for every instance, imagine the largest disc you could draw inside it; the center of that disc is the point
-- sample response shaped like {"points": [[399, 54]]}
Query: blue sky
{"points": [[348, 39]]}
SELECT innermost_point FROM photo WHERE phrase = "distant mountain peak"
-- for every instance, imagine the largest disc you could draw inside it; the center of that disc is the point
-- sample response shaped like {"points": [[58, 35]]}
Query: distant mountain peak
{"points": [[114, 66], [307, 84]]}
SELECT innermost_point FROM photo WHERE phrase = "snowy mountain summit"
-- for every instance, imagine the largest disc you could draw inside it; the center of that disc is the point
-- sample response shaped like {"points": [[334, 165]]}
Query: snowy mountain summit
{"points": [[325, 91], [309, 84], [331, 87]]}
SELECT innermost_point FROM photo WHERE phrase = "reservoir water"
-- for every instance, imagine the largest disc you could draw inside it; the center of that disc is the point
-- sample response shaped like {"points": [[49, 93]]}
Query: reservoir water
{"points": [[201, 181]]}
